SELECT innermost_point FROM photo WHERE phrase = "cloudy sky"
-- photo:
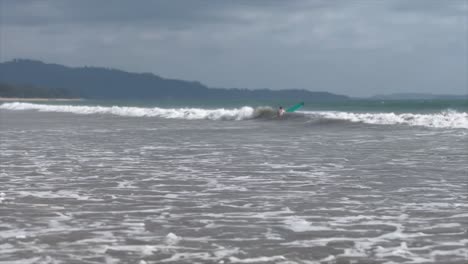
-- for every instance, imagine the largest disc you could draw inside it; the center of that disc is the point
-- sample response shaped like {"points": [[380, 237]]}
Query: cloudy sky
{"points": [[353, 47]]}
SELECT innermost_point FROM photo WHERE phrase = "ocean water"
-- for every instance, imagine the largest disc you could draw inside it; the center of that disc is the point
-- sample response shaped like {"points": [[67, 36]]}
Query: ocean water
{"points": [[139, 182]]}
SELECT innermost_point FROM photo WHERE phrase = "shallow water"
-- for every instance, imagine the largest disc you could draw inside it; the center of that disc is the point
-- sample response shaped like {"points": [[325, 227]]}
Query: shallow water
{"points": [[101, 188]]}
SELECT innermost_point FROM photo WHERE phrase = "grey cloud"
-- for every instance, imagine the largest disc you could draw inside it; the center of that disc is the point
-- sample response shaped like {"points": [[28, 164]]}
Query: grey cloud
{"points": [[352, 47], [30, 12], [434, 7]]}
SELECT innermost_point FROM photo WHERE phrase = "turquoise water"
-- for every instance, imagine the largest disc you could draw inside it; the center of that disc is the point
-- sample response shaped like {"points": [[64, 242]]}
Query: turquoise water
{"points": [[359, 106]]}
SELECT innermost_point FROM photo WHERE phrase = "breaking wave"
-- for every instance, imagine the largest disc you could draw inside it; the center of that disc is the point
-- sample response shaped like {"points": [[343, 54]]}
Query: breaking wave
{"points": [[173, 113], [444, 119]]}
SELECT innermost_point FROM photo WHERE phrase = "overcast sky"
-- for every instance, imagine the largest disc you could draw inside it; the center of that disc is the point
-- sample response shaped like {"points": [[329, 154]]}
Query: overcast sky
{"points": [[353, 47]]}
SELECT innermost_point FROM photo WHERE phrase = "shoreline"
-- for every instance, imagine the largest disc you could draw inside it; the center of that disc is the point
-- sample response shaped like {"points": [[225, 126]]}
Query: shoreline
{"points": [[13, 99]]}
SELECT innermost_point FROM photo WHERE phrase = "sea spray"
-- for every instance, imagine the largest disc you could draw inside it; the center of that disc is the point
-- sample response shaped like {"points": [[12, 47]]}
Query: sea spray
{"points": [[443, 119]]}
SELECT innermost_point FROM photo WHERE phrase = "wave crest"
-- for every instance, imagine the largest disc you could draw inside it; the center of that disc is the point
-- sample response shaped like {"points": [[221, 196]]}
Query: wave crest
{"points": [[444, 119], [242, 113]]}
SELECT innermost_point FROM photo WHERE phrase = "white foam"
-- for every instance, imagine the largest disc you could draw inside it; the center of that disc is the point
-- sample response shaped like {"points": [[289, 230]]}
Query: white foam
{"points": [[330, 258], [455, 252], [444, 119], [297, 224], [255, 260], [446, 225], [144, 250], [175, 113], [171, 196], [55, 195], [172, 239]]}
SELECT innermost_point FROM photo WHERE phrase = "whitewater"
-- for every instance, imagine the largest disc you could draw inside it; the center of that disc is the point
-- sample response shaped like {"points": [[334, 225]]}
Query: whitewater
{"points": [[443, 119], [126, 183]]}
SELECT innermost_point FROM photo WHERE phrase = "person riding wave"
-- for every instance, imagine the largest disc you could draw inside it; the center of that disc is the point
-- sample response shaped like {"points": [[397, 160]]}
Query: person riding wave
{"points": [[280, 111]]}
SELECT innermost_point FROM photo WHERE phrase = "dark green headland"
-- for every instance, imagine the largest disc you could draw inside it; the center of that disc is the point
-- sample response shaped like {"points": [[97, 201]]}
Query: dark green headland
{"points": [[30, 78]]}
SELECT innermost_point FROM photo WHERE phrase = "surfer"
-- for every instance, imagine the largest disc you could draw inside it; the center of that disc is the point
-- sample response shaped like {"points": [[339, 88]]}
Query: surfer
{"points": [[280, 111]]}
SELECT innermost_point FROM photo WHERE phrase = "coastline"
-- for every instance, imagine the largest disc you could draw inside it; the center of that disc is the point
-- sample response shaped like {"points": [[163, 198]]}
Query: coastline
{"points": [[14, 99]]}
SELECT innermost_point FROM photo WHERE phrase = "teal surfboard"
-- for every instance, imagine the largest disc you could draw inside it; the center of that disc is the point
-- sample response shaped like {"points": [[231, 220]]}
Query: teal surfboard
{"points": [[295, 107]]}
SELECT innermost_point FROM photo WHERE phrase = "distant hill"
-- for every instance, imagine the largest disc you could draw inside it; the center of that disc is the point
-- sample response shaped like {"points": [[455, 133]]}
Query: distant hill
{"points": [[28, 91], [103, 83], [419, 96]]}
